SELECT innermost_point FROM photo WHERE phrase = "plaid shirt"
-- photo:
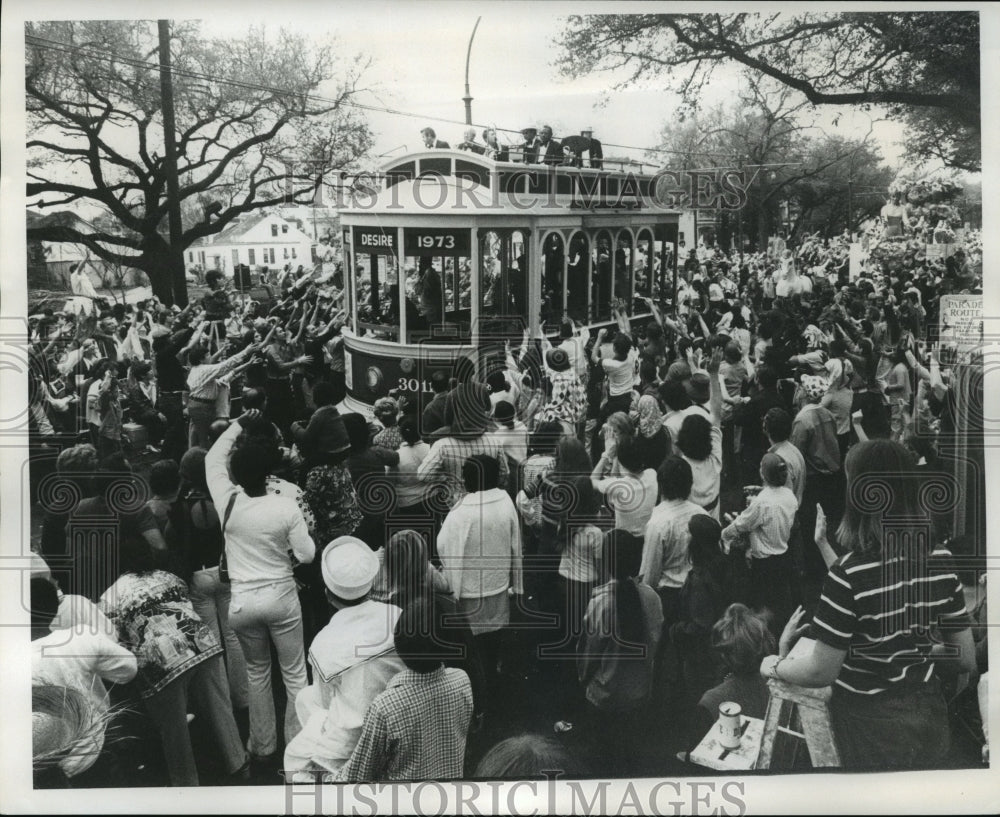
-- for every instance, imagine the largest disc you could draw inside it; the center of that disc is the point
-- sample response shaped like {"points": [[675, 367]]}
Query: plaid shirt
{"points": [[448, 455], [415, 729]]}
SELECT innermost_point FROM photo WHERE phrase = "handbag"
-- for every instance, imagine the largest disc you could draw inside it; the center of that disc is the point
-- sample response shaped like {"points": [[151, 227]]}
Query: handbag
{"points": [[223, 562], [530, 509]]}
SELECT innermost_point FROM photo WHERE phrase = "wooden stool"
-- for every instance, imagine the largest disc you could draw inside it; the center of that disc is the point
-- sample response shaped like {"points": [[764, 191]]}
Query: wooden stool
{"points": [[813, 709]]}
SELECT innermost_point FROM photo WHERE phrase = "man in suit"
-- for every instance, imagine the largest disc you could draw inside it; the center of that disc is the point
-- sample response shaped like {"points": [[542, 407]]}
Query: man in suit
{"points": [[529, 148], [431, 140], [470, 143], [550, 152], [595, 151]]}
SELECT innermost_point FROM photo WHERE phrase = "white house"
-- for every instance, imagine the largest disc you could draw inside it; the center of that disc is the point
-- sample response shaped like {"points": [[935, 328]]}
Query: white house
{"points": [[49, 268], [314, 220], [257, 240]]}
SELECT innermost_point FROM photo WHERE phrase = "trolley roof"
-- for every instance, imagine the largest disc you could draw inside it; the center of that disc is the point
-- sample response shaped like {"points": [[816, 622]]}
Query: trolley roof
{"points": [[460, 183]]}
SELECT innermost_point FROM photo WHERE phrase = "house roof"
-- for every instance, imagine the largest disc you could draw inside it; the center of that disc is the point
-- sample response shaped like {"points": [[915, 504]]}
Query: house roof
{"points": [[64, 251], [60, 218], [239, 228], [235, 232]]}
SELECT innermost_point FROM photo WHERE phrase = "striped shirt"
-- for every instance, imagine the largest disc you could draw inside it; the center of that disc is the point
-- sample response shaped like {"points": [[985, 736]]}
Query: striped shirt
{"points": [[881, 613]]}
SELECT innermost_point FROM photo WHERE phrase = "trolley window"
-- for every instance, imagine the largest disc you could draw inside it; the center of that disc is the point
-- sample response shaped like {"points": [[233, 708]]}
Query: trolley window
{"points": [[601, 292], [504, 279], [646, 266], [468, 170], [623, 271], [435, 167], [577, 276], [376, 281], [553, 279], [438, 282], [400, 173]]}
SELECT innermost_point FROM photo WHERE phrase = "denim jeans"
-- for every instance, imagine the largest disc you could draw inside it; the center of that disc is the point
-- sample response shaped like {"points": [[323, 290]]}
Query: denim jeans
{"points": [[201, 415], [204, 686], [904, 728], [262, 616], [210, 598]]}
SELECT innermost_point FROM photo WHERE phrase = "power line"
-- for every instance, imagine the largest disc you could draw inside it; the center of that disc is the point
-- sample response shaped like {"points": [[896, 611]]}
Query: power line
{"points": [[69, 48]]}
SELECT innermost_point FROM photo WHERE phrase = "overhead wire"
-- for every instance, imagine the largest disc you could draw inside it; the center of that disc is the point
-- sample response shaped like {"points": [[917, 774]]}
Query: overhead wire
{"points": [[69, 48]]}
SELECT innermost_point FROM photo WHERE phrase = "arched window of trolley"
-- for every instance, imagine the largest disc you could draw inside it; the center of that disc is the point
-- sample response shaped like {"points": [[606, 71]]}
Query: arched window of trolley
{"points": [[623, 258], [602, 294], [438, 267], [578, 277], [503, 283], [645, 254], [553, 280], [375, 283]]}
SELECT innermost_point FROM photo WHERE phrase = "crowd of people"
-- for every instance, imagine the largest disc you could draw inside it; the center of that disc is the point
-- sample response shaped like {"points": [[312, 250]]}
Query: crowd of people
{"points": [[645, 519]]}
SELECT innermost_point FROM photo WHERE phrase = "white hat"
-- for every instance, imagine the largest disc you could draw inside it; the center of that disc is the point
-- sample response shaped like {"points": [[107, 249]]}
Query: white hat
{"points": [[349, 567]]}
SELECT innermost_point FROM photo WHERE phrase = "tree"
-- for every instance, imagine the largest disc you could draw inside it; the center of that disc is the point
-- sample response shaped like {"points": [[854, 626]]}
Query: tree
{"points": [[252, 131], [851, 186], [923, 68], [767, 135]]}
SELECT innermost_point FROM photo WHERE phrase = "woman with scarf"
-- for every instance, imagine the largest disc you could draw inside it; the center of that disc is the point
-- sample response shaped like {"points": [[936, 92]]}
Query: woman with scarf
{"points": [[839, 397], [651, 433]]}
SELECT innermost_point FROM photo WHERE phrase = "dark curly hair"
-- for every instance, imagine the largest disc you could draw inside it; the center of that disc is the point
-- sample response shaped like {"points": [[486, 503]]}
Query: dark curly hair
{"points": [[695, 438]]}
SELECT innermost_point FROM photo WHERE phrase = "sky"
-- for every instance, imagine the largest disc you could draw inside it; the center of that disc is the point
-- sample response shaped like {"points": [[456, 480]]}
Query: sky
{"points": [[419, 52]]}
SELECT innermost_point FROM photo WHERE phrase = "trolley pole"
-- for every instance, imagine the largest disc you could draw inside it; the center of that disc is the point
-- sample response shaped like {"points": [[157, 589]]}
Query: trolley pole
{"points": [[467, 99], [176, 254]]}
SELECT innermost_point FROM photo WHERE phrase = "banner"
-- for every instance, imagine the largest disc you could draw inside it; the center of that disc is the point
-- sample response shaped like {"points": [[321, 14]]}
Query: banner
{"points": [[940, 251], [961, 322]]}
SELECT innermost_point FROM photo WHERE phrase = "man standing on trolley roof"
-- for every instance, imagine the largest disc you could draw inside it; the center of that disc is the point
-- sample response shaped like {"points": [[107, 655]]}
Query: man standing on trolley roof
{"points": [[595, 153], [431, 140], [574, 148]]}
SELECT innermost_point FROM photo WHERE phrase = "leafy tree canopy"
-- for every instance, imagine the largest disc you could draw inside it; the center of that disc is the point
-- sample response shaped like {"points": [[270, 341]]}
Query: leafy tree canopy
{"points": [[921, 67], [258, 120], [824, 177]]}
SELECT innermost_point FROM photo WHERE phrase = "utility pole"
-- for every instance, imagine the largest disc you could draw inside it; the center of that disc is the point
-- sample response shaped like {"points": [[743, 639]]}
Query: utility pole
{"points": [[468, 94], [850, 201], [176, 253]]}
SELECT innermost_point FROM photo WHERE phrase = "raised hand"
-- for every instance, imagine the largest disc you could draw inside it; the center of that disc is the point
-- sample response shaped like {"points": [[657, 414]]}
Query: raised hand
{"points": [[793, 631], [249, 416], [714, 361]]}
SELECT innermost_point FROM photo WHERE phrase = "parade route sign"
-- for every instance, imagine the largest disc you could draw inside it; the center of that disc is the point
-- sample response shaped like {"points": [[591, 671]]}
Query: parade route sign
{"points": [[940, 251], [961, 322]]}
